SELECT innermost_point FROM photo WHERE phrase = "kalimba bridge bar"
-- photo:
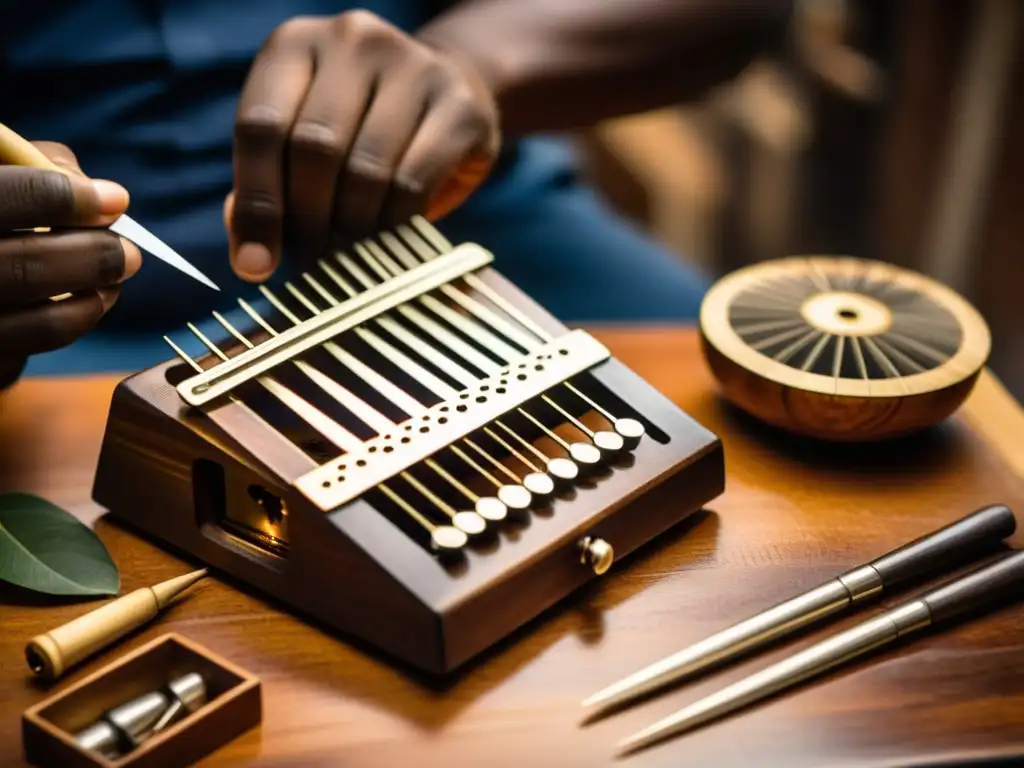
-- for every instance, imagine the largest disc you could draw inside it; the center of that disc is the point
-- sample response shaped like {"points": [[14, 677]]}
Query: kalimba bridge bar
{"points": [[403, 445]]}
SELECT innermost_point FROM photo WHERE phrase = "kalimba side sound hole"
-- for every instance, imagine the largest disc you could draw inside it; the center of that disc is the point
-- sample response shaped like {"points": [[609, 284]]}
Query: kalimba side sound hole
{"points": [[842, 349]]}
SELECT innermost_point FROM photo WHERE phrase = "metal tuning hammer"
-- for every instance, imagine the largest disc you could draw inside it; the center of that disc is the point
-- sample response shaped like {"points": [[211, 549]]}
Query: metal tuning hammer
{"points": [[980, 589], [980, 531]]}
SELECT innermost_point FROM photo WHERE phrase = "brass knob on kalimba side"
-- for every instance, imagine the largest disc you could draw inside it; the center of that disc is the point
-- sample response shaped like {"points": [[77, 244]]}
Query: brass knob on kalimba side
{"points": [[597, 553]]}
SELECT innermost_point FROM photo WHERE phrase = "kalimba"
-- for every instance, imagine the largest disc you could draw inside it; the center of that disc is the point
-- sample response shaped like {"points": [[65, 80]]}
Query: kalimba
{"points": [[405, 447]]}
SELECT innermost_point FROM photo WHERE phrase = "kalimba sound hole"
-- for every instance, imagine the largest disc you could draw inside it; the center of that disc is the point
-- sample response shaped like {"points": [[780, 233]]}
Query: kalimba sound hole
{"points": [[840, 348]]}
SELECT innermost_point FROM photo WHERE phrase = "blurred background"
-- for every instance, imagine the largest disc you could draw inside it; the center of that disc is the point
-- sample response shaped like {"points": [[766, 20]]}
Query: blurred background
{"points": [[883, 129]]}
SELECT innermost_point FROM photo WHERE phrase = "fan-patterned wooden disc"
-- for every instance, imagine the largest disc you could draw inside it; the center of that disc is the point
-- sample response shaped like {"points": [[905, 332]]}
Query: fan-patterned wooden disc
{"points": [[842, 348]]}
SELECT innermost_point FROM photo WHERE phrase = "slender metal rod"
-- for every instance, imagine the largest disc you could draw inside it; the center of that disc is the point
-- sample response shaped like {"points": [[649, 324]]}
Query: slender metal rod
{"points": [[935, 552], [981, 589], [397, 396], [301, 407]]}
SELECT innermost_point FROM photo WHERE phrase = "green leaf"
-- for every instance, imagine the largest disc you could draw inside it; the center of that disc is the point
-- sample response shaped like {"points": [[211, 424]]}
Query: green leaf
{"points": [[45, 549]]}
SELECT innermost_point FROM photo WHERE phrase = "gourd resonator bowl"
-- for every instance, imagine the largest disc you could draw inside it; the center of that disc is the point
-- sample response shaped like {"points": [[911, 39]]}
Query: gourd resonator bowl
{"points": [[842, 349]]}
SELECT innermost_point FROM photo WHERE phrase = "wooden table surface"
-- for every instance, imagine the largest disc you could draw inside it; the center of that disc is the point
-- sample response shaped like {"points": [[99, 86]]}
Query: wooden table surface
{"points": [[791, 517]]}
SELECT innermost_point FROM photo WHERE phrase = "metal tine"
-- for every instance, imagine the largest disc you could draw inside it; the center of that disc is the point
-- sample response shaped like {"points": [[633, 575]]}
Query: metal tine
{"points": [[381, 384], [489, 507], [305, 410], [536, 485], [199, 369], [607, 442], [468, 353], [442, 537], [441, 244], [366, 413], [630, 429], [508, 330], [469, 522], [584, 454], [441, 389], [387, 350], [514, 496], [382, 263], [388, 323], [560, 468]]}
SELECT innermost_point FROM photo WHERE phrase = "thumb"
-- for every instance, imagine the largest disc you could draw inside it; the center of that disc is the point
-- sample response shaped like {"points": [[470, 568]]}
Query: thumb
{"points": [[61, 155], [113, 197]]}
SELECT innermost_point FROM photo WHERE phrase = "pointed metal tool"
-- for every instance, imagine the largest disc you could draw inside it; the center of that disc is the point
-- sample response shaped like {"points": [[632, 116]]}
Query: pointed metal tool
{"points": [[962, 539], [15, 150], [979, 589], [132, 230]]}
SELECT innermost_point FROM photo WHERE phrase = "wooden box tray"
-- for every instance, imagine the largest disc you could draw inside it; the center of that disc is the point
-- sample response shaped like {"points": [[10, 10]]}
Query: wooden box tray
{"points": [[233, 706]]}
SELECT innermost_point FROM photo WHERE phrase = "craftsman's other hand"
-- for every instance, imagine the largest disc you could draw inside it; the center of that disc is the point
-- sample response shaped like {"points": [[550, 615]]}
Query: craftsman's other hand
{"points": [[346, 126], [78, 256]]}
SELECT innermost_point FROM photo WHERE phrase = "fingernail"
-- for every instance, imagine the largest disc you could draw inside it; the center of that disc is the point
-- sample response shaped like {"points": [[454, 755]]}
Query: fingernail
{"points": [[113, 197], [132, 258], [253, 261]]}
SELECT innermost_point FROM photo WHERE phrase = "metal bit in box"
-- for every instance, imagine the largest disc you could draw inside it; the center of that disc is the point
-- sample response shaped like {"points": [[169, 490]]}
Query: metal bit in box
{"points": [[125, 727]]}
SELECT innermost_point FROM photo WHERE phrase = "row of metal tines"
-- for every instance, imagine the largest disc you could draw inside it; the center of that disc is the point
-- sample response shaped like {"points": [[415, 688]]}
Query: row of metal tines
{"points": [[498, 328]]}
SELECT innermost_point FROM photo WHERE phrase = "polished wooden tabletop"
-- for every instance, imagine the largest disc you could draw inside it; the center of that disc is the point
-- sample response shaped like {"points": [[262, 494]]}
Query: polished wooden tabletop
{"points": [[792, 516]]}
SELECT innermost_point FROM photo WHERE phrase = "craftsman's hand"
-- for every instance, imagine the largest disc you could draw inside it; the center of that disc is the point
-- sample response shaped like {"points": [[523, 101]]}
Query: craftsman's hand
{"points": [[78, 256], [346, 126]]}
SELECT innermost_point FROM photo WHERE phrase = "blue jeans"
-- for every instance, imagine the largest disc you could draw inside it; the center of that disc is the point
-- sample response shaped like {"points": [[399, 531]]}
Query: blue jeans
{"points": [[551, 235]]}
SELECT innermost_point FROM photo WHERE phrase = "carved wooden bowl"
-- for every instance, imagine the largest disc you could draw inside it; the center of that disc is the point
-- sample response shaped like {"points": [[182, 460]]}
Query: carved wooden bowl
{"points": [[842, 349]]}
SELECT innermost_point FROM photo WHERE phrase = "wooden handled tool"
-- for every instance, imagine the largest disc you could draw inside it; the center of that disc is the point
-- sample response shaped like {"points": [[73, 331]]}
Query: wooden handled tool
{"points": [[51, 654]]}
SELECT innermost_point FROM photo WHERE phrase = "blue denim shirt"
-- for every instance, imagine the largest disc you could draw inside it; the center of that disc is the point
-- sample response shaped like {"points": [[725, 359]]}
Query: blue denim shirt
{"points": [[144, 92]]}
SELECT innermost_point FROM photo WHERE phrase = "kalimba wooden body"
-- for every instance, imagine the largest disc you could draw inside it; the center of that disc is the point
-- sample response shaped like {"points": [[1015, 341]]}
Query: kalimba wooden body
{"points": [[432, 552]]}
